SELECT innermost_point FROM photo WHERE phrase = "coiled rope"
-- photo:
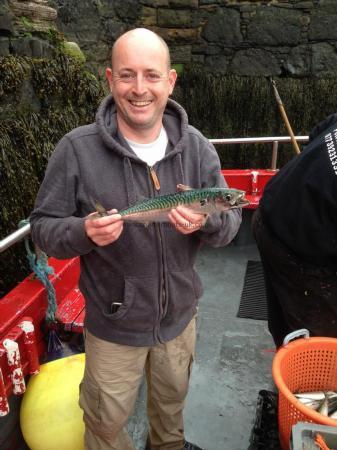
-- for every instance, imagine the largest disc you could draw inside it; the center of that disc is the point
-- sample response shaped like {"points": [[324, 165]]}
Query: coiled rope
{"points": [[39, 266]]}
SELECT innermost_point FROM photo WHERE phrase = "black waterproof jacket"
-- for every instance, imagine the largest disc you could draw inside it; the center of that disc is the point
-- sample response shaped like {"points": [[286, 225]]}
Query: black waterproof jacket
{"points": [[299, 204]]}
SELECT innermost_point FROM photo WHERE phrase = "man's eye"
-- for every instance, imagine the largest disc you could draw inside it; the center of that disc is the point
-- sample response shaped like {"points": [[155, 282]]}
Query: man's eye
{"points": [[126, 76], [153, 76]]}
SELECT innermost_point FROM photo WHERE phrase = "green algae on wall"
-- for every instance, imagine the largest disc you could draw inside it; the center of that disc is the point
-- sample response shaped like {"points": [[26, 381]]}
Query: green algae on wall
{"points": [[40, 101], [227, 106]]}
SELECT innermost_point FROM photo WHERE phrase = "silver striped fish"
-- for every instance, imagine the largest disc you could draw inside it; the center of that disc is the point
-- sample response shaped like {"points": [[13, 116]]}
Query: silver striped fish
{"points": [[204, 201]]}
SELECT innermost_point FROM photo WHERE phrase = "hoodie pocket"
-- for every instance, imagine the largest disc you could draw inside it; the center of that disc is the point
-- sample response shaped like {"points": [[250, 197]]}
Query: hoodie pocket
{"points": [[139, 307], [184, 290]]}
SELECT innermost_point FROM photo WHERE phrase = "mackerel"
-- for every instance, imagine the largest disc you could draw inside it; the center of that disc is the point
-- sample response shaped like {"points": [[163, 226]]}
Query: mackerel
{"points": [[204, 201]]}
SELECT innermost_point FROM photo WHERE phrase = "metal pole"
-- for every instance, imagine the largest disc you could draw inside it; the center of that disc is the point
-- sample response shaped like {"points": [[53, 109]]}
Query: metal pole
{"points": [[14, 237], [274, 155]]}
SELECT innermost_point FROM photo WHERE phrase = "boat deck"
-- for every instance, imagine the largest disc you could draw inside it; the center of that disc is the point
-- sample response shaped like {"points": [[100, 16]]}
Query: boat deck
{"points": [[233, 358]]}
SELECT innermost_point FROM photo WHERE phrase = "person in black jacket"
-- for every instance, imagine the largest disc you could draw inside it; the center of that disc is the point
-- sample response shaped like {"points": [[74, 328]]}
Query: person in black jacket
{"points": [[295, 228]]}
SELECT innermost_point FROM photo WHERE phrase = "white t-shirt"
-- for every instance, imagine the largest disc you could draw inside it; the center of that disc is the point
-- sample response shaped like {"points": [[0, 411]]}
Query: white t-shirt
{"points": [[153, 151]]}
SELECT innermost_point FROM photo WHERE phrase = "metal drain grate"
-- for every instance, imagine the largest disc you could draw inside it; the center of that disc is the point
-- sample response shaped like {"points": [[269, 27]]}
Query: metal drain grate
{"points": [[253, 303]]}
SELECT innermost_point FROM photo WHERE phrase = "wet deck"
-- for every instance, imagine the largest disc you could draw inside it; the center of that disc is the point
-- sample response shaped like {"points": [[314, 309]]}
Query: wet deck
{"points": [[233, 359]]}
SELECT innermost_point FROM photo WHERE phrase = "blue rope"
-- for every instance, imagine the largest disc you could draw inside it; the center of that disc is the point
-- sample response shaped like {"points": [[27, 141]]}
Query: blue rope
{"points": [[39, 265]]}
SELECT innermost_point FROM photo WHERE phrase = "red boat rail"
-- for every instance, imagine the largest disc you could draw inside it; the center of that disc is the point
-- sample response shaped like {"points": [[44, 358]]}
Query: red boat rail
{"points": [[22, 312], [252, 181]]}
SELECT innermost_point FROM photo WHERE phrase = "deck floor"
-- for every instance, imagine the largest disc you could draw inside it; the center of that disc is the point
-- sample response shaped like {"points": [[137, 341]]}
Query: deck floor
{"points": [[233, 359]]}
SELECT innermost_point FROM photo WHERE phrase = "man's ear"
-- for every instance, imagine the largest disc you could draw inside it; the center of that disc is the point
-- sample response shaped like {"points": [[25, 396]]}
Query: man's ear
{"points": [[108, 75], [172, 80]]}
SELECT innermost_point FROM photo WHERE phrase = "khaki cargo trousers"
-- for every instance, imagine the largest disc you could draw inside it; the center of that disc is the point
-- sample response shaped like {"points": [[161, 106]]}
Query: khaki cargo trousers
{"points": [[112, 377]]}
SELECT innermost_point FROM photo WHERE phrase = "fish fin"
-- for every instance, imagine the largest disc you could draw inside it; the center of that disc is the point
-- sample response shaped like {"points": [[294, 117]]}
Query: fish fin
{"points": [[183, 188], [140, 199], [101, 211]]}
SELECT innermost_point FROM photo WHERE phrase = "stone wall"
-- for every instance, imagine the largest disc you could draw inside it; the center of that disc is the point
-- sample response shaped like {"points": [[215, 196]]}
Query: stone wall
{"points": [[296, 38]]}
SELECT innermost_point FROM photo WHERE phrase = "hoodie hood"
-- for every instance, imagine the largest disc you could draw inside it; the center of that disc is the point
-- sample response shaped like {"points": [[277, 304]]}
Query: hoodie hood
{"points": [[175, 122]]}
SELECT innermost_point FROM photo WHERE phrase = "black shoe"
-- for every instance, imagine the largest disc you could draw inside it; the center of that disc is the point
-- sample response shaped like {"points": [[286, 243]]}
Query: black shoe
{"points": [[189, 446]]}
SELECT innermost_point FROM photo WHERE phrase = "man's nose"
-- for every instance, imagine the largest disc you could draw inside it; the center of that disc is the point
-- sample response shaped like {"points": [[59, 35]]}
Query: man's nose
{"points": [[139, 85]]}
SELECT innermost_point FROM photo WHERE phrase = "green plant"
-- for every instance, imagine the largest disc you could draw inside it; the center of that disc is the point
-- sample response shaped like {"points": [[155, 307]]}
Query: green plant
{"points": [[179, 68], [13, 70], [54, 37], [27, 23], [69, 97]]}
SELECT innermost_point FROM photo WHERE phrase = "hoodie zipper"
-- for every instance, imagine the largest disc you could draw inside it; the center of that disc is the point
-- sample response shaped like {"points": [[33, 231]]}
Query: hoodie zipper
{"points": [[155, 179], [162, 299]]}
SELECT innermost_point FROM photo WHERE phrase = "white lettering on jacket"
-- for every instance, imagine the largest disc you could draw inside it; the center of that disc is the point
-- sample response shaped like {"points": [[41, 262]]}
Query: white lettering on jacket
{"points": [[330, 141]]}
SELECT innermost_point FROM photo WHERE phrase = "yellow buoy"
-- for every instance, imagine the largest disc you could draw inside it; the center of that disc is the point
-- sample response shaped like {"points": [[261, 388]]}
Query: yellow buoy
{"points": [[50, 416]]}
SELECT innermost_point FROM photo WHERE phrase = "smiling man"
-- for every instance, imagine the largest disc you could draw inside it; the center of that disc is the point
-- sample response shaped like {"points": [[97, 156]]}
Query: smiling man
{"points": [[140, 83], [140, 287]]}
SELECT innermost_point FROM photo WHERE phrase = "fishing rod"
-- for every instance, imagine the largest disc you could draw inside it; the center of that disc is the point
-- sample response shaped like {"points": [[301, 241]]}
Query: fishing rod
{"points": [[284, 116]]}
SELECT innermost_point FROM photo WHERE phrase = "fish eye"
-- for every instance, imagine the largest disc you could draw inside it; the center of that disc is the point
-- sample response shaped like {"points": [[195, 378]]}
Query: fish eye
{"points": [[228, 197]]}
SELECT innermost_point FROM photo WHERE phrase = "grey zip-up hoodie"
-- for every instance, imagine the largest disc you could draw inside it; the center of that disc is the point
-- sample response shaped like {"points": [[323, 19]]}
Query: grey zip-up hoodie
{"points": [[149, 270]]}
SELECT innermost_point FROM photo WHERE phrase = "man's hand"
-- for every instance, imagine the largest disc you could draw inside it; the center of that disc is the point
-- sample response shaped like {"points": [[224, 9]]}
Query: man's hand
{"points": [[185, 220], [104, 230]]}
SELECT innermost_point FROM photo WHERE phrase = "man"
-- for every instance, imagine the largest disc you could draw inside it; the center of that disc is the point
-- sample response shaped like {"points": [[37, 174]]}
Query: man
{"points": [[139, 284], [296, 231]]}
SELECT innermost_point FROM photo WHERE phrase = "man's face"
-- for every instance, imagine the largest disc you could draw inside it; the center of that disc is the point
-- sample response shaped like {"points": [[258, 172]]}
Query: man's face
{"points": [[141, 82]]}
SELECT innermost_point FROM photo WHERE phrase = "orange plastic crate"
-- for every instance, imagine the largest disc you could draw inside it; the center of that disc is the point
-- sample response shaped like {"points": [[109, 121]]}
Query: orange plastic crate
{"points": [[304, 365]]}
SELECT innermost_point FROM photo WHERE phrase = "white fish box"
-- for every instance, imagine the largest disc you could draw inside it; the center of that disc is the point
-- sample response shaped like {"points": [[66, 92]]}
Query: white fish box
{"points": [[303, 436]]}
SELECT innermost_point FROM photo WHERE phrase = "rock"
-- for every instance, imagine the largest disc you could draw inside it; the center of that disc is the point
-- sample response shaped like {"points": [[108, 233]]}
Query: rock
{"points": [[113, 29], [206, 49], [254, 62], [298, 63], [149, 17], [155, 3], [223, 28], [180, 54], [4, 46], [6, 23], [174, 18], [33, 15], [128, 10], [177, 35], [318, 60], [324, 60], [216, 63], [98, 54], [323, 25], [32, 47], [275, 27], [306, 5], [193, 4]]}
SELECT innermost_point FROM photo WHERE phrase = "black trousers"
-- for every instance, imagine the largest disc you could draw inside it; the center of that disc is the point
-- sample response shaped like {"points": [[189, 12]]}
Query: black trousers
{"points": [[299, 294]]}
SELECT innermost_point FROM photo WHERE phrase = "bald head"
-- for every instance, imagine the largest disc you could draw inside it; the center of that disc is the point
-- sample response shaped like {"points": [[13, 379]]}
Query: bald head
{"points": [[141, 81], [144, 36]]}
